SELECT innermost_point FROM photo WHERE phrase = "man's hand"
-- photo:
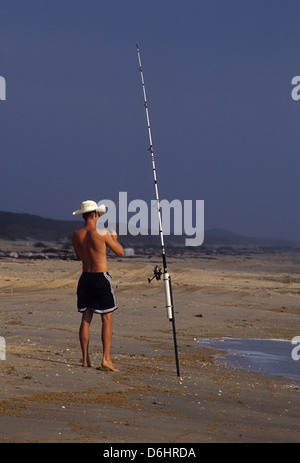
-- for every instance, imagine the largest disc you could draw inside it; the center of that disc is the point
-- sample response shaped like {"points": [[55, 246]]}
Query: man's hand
{"points": [[113, 244], [114, 235]]}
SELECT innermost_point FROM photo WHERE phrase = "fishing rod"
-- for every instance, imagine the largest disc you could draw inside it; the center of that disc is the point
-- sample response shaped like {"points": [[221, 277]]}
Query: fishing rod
{"points": [[158, 271]]}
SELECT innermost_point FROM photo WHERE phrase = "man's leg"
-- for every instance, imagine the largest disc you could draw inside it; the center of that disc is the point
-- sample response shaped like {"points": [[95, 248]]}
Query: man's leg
{"points": [[84, 336], [107, 320]]}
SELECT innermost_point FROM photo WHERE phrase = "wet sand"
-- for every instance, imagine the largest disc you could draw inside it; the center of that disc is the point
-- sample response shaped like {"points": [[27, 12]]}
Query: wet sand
{"points": [[46, 396]]}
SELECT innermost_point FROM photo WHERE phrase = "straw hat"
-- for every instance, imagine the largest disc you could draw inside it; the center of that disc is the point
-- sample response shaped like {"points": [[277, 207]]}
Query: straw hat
{"points": [[90, 206]]}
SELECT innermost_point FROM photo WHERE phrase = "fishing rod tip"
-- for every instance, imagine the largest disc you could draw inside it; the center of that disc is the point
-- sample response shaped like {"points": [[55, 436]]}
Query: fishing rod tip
{"points": [[137, 46]]}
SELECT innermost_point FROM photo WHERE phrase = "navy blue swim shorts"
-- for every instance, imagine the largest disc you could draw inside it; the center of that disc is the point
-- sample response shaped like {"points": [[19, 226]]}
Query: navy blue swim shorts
{"points": [[95, 290]]}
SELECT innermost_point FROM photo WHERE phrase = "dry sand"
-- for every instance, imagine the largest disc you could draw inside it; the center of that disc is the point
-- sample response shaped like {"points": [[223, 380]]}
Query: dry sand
{"points": [[46, 396]]}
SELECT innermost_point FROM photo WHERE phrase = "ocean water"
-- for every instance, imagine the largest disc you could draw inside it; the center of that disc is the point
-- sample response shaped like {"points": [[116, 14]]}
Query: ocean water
{"points": [[270, 356]]}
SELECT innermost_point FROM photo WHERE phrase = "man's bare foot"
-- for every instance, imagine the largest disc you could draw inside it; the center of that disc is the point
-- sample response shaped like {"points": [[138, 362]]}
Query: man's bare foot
{"points": [[107, 366], [88, 364]]}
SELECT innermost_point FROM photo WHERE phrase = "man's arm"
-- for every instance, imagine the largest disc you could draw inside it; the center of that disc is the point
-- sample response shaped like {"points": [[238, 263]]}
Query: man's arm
{"points": [[75, 245], [112, 242]]}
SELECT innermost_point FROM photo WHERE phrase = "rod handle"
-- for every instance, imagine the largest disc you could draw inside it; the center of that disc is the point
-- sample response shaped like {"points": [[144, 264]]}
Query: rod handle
{"points": [[167, 284]]}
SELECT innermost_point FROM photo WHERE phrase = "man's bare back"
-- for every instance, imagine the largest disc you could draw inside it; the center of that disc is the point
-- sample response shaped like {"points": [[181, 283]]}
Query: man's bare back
{"points": [[90, 247]]}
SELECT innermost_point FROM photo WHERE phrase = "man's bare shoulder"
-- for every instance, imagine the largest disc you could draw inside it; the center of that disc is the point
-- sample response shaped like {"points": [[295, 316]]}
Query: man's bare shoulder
{"points": [[77, 234], [102, 232], [103, 235], [99, 236], [80, 230]]}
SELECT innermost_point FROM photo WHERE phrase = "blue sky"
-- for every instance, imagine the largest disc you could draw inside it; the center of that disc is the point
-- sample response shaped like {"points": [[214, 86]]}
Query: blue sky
{"points": [[218, 79]]}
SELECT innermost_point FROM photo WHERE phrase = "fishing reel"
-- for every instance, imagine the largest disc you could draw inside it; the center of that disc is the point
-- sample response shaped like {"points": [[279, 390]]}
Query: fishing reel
{"points": [[157, 274]]}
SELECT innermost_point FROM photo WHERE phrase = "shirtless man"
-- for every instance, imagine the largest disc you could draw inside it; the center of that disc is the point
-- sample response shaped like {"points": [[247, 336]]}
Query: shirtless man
{"points": [[94, 291]]}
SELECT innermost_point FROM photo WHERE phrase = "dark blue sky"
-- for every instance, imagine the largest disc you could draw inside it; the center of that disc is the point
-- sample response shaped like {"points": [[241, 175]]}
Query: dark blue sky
{"points": [[218, 79]]}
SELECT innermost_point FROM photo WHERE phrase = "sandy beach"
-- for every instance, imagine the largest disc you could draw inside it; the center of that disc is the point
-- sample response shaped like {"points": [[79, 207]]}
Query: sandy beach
{"points": [[47, 397]]}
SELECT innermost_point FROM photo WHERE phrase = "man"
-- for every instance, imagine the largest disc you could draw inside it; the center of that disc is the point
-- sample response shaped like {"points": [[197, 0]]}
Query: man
{"points": [[94, 291]]}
